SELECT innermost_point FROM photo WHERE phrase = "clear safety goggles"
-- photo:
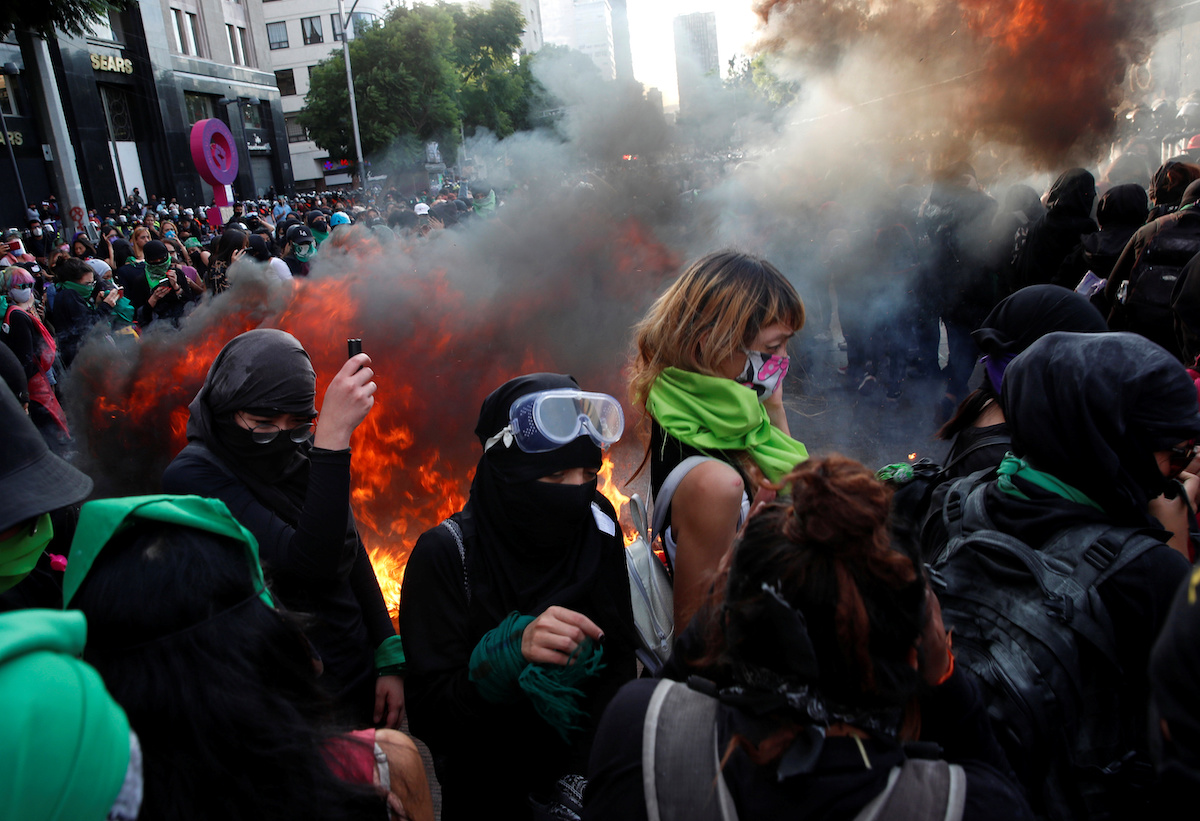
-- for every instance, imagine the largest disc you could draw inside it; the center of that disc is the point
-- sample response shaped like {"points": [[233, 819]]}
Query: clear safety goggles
{"points": [[545, 421]]}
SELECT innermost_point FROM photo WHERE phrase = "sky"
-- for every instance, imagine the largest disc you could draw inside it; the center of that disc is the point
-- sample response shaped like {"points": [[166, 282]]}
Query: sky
{"points": [[652, 38]]}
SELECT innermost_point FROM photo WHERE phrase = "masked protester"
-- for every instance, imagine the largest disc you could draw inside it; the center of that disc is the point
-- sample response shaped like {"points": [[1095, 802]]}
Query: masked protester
{"points": [[249, 445], [709, 369], [34, 345], [516, 611], [74, 311], [1103, 426], [818, 656], [300, 251], [318, 223], [38, 491], [14, 249], [158, 292], [216, 676]]}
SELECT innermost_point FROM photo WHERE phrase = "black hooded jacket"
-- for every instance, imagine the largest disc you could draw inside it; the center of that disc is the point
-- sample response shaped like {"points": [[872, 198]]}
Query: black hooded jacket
{"points": [[1121, 212], [1056, 234], [521, 552]]}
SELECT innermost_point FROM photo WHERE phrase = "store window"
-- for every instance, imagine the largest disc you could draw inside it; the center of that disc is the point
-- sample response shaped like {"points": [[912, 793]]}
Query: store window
{"points": [[277, 35], [198, 106], [8, 95], [251, 115], [295, 131], [310, 27], [286, 80]]}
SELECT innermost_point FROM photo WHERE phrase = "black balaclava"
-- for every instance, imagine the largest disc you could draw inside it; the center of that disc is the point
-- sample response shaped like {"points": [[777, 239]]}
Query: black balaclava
{"points": [[538, 542], [1092, 410], [266, 371]]}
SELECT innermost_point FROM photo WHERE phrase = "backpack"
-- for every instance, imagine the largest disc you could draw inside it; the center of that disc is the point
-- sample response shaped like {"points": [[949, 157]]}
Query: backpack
{"points": [[1032, 626], [1147, 294], [682, 778]]}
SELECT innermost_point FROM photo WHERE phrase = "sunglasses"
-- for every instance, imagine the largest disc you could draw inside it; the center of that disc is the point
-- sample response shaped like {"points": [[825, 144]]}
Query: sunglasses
{"points": [[1181, 457]]}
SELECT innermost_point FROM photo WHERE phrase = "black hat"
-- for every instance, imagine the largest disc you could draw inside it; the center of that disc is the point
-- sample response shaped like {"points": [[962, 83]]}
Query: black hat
{"points": [[258, 248], [155, 251], [33, 480], [299, 234]]}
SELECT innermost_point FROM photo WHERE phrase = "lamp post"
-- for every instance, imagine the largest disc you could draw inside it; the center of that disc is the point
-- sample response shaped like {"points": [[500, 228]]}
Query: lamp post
{"points": [[345, 19], [11, 70]]}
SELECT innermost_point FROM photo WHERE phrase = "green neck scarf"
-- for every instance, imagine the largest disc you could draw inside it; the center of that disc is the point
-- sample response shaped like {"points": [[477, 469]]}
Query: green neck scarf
{"points": [[124, 311], [19, 554], [102, 519], [712, 413], [84, 291], [156, 273], [1012, 466]]}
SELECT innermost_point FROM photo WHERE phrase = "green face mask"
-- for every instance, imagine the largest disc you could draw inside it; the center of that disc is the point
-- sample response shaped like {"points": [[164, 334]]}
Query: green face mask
{"points": [[158, 269], [19, 553], [321, 236], [78, 287], [304, 252]]}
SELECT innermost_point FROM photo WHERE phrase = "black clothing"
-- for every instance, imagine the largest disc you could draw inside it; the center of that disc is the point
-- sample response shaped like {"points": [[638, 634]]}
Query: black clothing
{"points": [[72, 317], [1091, 409], [1121, 212], [987, 456], [1031, 313], [295, 499], [527, 546], [1174, 669], [20, 336], [952, 715], [1056, 234], [1185, 308], [138, 291]]}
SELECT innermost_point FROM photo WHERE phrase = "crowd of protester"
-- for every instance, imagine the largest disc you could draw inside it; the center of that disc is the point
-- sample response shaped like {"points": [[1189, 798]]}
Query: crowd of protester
{"points": [[1010, 634]]}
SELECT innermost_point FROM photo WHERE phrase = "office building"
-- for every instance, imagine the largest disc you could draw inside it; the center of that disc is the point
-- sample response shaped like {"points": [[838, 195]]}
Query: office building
{"points": [[301, 34], [584, 25], [93, 117], [695, 53]]}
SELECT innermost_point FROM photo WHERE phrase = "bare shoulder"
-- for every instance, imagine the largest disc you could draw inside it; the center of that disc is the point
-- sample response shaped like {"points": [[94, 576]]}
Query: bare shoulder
{"points": [[712, 483]]}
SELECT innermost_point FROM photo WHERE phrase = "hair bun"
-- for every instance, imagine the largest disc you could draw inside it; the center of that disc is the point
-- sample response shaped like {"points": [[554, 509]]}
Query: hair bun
{"points": [[836, 502]]}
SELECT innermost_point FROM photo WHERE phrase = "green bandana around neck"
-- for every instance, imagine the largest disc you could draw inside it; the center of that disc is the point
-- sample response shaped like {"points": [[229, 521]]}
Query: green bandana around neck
{"points": [[320, 236], [124, 310], [19, 554], [1012, 466], [713, 413], [102, 519], [84, 291]]}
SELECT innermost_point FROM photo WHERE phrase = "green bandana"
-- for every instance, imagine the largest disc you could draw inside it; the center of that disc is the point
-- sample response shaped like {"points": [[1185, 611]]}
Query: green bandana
{"points": [[502, 675], [155, 272], [66, 742], [305, 251], [191, 242], [123, 310], [712, 413], [389, 657], [101, 520], [320, 236], [19, 554], [84, 291], [1012, 466]]}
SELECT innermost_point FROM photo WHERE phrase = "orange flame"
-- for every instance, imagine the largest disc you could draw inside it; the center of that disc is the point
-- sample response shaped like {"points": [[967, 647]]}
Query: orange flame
{"points": [[619, 500], [912, 457]]}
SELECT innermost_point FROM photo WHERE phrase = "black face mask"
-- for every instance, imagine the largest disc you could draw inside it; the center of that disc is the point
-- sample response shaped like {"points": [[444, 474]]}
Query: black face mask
{"points": [[266, 461], [548, 516]]}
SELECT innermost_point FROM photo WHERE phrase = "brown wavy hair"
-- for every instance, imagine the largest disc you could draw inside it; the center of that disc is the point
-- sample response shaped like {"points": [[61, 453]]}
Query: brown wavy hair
{"points": [[716, 308], [828, 551]]}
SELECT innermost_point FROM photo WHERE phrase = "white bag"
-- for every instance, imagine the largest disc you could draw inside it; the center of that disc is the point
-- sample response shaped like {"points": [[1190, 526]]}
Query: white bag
{"points": [[650, 593]]}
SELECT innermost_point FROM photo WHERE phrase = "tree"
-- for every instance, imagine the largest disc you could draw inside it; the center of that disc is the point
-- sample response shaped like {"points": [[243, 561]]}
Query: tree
{"points": [[405, 84], [72, 16]]}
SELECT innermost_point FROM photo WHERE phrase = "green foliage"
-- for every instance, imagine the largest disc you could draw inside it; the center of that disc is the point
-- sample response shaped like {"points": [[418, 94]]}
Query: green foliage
{"points": [[71, 16], [754, 79], [424, 73]]}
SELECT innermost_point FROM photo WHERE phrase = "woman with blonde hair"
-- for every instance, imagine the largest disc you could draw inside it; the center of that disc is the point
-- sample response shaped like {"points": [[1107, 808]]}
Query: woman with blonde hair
{"points": [[708, 370]]}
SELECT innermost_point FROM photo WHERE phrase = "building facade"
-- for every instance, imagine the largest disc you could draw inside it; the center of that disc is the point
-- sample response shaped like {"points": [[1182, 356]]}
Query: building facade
{"points": [[127, 94], [695, 53], [584, 25], [300, 34]]}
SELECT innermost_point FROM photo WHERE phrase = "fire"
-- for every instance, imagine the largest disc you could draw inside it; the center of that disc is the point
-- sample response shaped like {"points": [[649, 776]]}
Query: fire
{"points": [[609, 488], [912, 457], [438, 346]]}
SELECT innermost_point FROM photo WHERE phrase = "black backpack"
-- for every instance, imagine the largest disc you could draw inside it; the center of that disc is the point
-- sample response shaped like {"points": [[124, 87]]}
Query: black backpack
{"points": [[1147, 301], [1031, 625]]}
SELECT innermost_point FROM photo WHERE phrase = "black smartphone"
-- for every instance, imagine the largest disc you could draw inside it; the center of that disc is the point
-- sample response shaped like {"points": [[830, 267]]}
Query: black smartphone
{"points": [[353, 347]]}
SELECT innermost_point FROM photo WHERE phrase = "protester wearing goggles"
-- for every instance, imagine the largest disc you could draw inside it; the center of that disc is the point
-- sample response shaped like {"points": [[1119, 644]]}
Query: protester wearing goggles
{"points": [[249, 445], [515, 611]]}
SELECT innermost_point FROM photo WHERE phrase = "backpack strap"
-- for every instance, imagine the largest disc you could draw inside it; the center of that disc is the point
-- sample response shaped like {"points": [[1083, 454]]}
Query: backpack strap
{"points": [[456, 532], [963, 511], [662, 499], [681, 771], [985, 442], [920, 790]]}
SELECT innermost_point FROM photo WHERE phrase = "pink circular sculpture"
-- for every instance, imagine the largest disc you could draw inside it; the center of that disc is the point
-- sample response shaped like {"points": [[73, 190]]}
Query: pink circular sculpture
{"points": [[214, 153]]}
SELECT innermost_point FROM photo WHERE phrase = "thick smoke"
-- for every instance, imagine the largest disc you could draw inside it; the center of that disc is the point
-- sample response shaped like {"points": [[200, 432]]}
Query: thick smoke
{"points": [[1040, 76]]}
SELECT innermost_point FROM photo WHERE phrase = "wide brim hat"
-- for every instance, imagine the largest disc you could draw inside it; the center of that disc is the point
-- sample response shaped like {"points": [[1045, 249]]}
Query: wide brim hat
{"points": [[33, 480]]}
